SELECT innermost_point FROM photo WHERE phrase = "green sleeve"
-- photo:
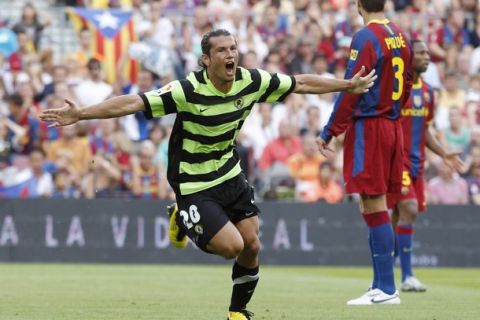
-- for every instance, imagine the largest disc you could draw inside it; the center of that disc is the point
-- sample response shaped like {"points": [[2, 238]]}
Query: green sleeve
{"points": [[276, 87], [160, 102]]}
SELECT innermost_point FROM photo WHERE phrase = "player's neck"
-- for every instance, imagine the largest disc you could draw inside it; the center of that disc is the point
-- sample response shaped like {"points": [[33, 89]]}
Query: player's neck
{"points": [[219, 84], [371, 16], [416, 77]]}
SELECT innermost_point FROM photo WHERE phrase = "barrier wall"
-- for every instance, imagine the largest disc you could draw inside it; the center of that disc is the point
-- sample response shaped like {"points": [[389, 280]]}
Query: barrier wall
{"points": [[136, 232]]}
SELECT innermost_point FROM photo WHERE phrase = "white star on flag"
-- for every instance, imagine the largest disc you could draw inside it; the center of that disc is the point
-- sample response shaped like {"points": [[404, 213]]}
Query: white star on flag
{"points": [[107, 20]]}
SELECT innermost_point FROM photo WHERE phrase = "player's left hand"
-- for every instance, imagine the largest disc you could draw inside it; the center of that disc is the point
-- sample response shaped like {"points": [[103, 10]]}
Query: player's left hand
{"points": [[325, 150], [361, 84], [453, 161]]}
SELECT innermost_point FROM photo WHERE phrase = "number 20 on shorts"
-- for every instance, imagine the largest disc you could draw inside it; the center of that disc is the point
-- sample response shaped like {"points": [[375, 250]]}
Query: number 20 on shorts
{"points": [[191, 217]]}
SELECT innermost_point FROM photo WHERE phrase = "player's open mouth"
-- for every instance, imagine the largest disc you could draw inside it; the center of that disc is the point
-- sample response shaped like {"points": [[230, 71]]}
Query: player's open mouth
{"points": [[230, 67]]}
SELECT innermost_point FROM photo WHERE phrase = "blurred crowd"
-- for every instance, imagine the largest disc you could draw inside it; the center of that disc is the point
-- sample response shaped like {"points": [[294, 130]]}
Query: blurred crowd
{"points": [[127, 157]]}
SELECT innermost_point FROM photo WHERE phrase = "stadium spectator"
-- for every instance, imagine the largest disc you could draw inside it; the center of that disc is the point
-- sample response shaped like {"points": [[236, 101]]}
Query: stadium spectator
{"points": [[136, 125], [474, 185], [148, 180], [259, 133], [449, 97], [457, 135], [71, 150], [33, 23], [102, 180], [304, 167], [22, 117], [447, 187], [93, 89], [11, 135], [42, 180], [272, 27], [159, 138], [63, 187], [312, 122], [326, 188], [273, 162]]}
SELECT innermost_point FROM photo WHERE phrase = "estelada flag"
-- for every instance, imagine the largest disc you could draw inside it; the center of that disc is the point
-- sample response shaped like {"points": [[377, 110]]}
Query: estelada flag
{"points": [[112, 32]]}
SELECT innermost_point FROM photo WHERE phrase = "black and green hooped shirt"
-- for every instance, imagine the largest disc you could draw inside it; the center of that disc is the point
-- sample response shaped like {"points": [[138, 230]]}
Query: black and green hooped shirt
{"points": [[202, 144]]}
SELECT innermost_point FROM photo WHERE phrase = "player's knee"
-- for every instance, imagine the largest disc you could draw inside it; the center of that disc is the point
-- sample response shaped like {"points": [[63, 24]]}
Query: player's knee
{"points": [[232, 250], [252, 246], [409, 211]]}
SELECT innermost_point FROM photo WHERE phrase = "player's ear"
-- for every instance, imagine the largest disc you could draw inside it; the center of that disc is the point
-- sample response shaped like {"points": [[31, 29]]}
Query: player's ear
{"points": [[205, 59]]}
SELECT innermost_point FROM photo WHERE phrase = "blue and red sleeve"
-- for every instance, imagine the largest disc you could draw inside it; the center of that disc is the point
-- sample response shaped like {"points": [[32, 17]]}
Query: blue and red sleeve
{"points": [[362, 53]]}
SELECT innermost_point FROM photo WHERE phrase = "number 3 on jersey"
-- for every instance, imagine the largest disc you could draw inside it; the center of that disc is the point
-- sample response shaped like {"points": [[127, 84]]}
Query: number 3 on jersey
{"points": [[399, 68], [191, 217]]}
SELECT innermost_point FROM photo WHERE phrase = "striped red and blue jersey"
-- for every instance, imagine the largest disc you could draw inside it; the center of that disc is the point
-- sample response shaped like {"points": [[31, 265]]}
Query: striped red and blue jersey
{"points": [[381, 46], [417, 114]]}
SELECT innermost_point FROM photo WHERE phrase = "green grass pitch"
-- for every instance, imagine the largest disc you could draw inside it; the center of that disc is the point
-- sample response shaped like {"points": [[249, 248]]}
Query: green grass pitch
{"points": [[199, 292]]}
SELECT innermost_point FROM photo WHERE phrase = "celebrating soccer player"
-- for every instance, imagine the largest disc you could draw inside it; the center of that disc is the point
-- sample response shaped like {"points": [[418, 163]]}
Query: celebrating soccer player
{"points": [[417, 114], [373, 140], [216, 208]]}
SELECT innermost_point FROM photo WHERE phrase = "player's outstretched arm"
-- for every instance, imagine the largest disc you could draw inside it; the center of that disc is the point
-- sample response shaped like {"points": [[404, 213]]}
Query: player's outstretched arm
{"points": [[451, 159], [315, 84], [111, 108]]}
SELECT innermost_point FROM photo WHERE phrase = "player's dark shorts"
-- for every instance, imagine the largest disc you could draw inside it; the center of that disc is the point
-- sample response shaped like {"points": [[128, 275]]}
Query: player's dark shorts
{"points": [[373, 156], [416, 191], [203, 214]]}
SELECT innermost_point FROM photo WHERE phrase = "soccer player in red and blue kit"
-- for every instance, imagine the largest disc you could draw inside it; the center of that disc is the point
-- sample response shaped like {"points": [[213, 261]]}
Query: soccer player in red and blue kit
{"points": [[417, 115], [373, 141]]}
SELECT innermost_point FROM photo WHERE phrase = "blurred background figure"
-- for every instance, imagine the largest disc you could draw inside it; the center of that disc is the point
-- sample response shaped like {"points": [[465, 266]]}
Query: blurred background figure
{"points": [[447, 187]]}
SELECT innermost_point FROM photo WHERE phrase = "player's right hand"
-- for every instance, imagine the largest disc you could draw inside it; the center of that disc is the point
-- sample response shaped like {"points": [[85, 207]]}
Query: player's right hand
{"points": [[68, 114], [453, 161], [325, 150]]}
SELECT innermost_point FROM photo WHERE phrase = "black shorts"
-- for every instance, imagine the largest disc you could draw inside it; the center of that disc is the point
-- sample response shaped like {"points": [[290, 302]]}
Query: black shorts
{"points": [[201, 215]]}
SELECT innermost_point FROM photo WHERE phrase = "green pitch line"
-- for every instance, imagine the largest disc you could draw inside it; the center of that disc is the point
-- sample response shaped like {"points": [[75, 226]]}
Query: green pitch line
{"points": [[171, 292]]}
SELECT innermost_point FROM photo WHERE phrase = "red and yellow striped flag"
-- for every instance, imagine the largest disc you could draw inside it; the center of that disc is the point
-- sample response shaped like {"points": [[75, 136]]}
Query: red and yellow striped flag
{"points": [[113, 31]]}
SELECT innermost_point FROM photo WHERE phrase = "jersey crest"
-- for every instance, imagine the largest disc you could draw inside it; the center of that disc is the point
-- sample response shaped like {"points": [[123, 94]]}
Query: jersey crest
{"points": [[238, 103]]}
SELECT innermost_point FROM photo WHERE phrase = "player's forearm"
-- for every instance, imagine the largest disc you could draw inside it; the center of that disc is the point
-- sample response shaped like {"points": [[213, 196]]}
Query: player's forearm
{"points": [[315, 84], [432, 143], [113, 108]]}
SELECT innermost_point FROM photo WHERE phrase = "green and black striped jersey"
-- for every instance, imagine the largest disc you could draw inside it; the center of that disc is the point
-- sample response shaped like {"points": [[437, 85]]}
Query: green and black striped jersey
{"points": [[202, 144]]}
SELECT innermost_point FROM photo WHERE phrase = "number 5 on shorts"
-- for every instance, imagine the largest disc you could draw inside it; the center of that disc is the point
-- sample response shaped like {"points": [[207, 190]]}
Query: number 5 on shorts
{"points": [[191, 217], [406, 181]]}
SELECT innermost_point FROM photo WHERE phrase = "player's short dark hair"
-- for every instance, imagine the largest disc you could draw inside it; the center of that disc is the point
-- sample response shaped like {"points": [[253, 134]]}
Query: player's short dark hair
{"points": [[15, 99], [207, 46], [373, 5]]}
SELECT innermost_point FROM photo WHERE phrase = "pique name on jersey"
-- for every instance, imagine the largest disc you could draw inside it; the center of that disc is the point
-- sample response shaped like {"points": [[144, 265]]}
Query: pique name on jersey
{"points": [[395, 42]]}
